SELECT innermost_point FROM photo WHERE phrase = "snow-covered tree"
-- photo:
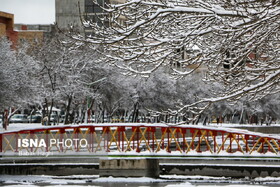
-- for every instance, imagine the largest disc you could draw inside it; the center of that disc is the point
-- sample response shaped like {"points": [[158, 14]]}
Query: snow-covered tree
{"points": [[18, 80], [236, 42], [48, 56], [65, 68], [18, 77], [114, 94]]}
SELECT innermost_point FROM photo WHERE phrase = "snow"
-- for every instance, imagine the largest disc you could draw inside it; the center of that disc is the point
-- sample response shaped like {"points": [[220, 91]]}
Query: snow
{"points": [[77, 180], [220, 126], [33, 179], [114, 153], [216, 26], [228, 165], [14, 127], [130, 180], [180, 184], [164, 180]]}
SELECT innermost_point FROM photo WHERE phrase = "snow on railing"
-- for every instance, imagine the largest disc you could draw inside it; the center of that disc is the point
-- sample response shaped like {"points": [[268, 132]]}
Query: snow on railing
{"points": [[140, 138]]}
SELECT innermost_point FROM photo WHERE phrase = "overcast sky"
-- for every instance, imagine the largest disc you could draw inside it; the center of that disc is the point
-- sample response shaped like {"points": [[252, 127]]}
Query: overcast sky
{"points": [[30, 11]]}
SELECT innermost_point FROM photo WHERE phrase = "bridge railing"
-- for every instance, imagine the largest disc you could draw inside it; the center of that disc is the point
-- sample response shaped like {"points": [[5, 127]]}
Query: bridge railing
{"points": [[136, 138]]}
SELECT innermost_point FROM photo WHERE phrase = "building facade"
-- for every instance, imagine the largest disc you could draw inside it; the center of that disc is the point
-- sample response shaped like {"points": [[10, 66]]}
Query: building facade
{"points": [[7, 27], [70, 14], [18, 33], [67, 14]]}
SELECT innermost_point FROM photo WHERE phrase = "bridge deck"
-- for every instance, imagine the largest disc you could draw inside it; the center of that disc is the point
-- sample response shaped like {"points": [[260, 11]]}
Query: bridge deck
{"points": [[149, 140]]}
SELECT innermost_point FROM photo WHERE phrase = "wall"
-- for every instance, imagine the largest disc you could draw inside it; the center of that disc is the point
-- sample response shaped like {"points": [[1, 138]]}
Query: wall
{"points": [[67, 14], [2, 29]]}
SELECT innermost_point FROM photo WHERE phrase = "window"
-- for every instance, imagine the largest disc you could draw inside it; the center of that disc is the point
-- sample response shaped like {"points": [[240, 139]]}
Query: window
{"points": [[91, 7]]}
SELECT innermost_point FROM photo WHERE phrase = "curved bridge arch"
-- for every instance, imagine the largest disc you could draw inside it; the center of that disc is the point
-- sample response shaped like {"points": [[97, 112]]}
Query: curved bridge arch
{"points": [[151, 139]]}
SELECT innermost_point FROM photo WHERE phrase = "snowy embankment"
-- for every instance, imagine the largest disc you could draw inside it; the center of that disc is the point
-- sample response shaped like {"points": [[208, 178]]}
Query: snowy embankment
{"points": [[164, 180]]}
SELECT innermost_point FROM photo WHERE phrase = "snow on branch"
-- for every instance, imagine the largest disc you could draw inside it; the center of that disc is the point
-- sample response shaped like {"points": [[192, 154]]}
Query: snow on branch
{"points": [[235, 43]]}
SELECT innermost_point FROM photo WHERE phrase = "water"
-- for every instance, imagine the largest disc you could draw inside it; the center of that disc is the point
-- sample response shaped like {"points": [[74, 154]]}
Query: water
{"points": [[163, 181]]}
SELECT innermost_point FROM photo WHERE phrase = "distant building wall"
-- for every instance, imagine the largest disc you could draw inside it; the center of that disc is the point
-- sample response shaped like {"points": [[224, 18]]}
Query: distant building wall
{"points": [[67, 14], [20, 32], [7, 27], [7, 19], [2, 29], [47, 30], [72, 12], [30, 36]]}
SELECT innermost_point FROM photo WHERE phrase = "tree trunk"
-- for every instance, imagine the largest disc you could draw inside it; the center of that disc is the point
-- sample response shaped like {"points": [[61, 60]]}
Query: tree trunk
{"points": [[135, 113], [50, 112], [66, 120], [241, 121]]}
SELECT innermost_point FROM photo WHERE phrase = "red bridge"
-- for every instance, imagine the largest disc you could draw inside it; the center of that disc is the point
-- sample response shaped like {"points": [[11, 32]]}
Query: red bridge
{"points": [[139, 139]]}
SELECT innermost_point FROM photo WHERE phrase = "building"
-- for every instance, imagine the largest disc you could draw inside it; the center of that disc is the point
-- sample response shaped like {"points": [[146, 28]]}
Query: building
{"points": [[7, 27], [71, 13], [19, 32], [47, 30], [67, 14]]}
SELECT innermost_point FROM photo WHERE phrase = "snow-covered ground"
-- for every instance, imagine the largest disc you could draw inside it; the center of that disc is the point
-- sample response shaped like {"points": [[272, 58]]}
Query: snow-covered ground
{"points": [[22, 126], [164, 180]]}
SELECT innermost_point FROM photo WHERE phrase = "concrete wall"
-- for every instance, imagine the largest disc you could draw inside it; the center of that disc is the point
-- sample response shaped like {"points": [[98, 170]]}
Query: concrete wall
{"points": [[49, 169], [219, 166], [238, 167], [262, 129], [129, 168], [67, 14], [71, 12], [234, 171]]}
